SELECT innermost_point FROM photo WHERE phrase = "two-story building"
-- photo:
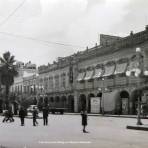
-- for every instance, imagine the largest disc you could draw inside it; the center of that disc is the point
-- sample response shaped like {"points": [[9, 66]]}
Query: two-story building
{"points": [[111, 74]]}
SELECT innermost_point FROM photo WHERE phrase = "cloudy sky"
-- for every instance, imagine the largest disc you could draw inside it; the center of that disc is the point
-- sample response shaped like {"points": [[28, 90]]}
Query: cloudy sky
{"points": [[42, 30]]}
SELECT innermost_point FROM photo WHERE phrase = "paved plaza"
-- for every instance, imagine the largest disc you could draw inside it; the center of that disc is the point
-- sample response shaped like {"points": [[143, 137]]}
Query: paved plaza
{"points": [[65, 131]]}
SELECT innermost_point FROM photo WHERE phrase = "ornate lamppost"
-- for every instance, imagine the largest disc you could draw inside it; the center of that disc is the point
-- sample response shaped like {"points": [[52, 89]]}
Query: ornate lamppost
{"points": [[102, 90], [137, 71]]}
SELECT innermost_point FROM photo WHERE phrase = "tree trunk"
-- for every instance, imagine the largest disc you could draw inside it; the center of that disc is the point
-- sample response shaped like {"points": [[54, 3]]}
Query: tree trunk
{"points": [[7, 97]]}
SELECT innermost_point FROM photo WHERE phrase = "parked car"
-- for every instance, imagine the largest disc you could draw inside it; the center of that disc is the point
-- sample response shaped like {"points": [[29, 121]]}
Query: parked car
{"points": [[57, 110], [30, 108]]}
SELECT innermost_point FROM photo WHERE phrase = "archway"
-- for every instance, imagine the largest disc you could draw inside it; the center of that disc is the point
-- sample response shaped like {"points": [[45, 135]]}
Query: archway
{"points": [[63, 101], [57, 101], [51, 99], [134, 100], [124, 104], [82, 102], [100, 97], [71, 103], [89, 102]]}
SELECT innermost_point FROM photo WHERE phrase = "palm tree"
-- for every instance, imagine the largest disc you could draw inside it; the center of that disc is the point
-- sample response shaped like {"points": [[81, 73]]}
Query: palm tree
{"points": [[8, 72]]}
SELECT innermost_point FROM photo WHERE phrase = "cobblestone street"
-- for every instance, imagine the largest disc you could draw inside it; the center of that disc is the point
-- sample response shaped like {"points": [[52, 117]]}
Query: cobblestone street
{"points": [[66, 131]]}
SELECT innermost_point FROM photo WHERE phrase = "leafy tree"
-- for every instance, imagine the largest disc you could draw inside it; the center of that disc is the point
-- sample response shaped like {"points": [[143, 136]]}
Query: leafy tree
{"points": [[8, 72]]}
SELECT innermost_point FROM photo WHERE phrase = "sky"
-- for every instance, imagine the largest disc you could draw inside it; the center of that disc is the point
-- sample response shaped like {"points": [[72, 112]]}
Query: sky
{"points": [[42, 30]]}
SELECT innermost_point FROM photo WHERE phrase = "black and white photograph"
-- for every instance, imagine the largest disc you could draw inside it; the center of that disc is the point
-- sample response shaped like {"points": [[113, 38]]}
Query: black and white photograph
{"points": [[73, 73]]}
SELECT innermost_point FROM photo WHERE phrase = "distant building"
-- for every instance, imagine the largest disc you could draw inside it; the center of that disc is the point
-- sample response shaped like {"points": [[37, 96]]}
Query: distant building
{"points": [[24, 83], [105, 74]]}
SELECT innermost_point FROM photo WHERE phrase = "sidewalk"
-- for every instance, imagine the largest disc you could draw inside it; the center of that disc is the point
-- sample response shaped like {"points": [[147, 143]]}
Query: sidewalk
{"points": [[90, 114], [109, 115]]}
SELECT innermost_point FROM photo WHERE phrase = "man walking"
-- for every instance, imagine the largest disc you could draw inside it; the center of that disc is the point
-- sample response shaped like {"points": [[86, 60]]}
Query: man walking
{"points": [[45, 115], [22, 115], [35, 114]]}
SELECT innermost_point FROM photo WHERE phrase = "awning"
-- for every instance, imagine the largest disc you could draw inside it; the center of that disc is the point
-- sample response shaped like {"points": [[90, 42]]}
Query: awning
{"points": [[133, 68], [120, 68], [98, 73], [89, 75], [109, 70], [81, 76], [133, 65]]}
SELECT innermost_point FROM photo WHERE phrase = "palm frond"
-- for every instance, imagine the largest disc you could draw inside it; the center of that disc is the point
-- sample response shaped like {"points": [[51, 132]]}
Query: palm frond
{"points": [[2, 60], [6, 56], [12, 60]]}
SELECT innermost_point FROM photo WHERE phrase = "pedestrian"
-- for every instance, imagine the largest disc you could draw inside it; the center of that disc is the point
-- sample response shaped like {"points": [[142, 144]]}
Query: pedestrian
{"points": [[84, 119], [35, 114], [10, 115], [45, 115], [22, 115], [5, 116]]}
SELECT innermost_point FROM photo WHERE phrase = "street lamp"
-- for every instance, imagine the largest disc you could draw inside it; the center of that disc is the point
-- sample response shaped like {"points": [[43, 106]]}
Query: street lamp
{"points": [[100, 95], [102, 90], [137, 71], [137, 74]]}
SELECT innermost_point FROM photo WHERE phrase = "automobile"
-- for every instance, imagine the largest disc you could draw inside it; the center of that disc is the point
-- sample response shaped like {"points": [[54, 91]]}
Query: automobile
{"points": [[30, 108], [57, 110]]}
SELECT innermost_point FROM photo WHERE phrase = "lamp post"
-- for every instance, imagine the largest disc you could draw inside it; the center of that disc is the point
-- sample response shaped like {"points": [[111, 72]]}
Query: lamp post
{"points": [[138, 51], [102, 90], [100, 95], [137, 71]]}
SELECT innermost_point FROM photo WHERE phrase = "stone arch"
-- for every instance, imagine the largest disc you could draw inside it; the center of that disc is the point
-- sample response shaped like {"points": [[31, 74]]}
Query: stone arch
{"points": [[134, 100], [82, 102], [57, 99], [51, 99], [63, 101], [89, 102], [99, 95], [124, 104], [71, 103]]}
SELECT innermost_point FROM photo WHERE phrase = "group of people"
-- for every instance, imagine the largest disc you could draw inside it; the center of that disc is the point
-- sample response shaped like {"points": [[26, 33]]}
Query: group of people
{"points": [[22, 113], [8, 116]]}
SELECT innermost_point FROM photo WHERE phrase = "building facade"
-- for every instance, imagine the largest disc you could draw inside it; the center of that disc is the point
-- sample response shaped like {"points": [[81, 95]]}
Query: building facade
{"points": [[110, 74], [25, 82]]}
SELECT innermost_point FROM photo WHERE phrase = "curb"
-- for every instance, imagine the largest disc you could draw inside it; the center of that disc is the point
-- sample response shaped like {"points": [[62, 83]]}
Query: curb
{"points": [[136, 127], [108, 115]]}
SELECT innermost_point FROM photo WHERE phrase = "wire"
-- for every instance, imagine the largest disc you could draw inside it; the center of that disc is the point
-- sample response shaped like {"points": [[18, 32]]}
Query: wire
{"points": [[12, 13], [29, 38], [38, 40]]}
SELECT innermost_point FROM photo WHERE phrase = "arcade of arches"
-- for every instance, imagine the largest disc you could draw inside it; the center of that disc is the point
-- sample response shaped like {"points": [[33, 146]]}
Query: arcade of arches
{"points": [[117, 102]]}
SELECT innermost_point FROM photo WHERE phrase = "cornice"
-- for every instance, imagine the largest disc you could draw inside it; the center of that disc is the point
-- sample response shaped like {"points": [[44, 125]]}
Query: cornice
{"points": [[127, 42]]}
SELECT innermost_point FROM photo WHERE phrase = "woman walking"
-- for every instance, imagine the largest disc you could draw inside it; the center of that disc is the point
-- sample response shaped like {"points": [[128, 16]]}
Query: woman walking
{"points": [[84, 120]]}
